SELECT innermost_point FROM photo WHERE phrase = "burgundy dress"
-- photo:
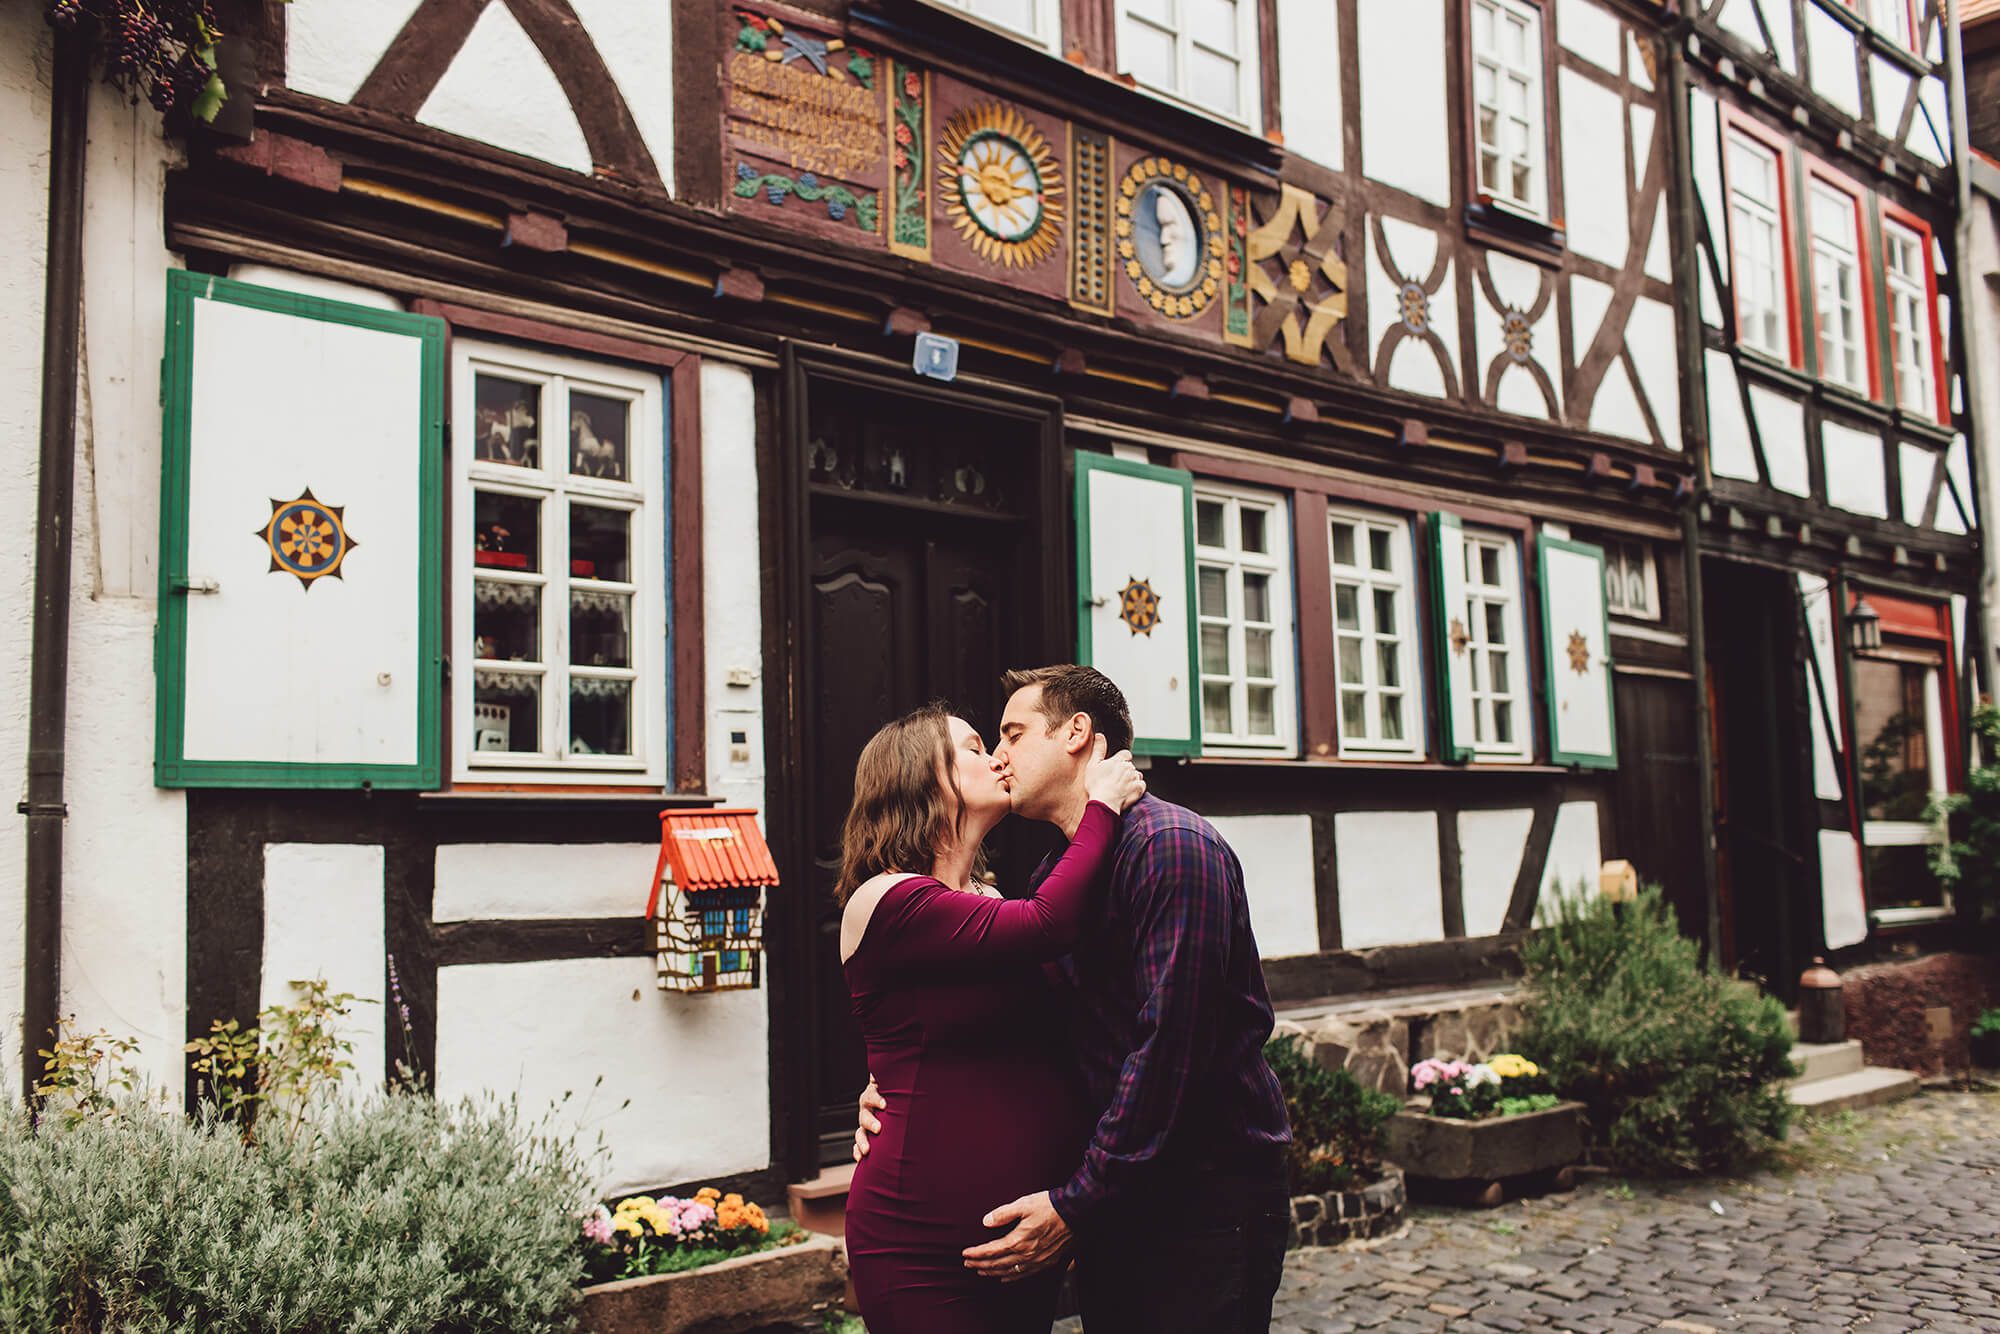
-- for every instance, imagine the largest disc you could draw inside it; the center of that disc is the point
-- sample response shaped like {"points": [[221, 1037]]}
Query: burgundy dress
{"points": [[969, 1048]]}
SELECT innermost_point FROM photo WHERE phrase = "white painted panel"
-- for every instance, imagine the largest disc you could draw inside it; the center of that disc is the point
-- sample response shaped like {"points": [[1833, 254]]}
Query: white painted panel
{"points": [[1738, 18], [1487, 337], [732, 607], [1642, 139], [502, 880], [1919, 469], [1593, 126], [1781, 429], [1615, 410], [500, 91], [1711, 304], [1891, 88], [1842, 906], [1636, 64], [1818, 604], [311, 284], [1962, 512], [1650, 336], [1575, 856], [1658, 266], [1490, 844], [1390, 890], [1579, 657], [1830, 51], [331, 45], [638, 48], [1516, 280], [275, 411], [1277, 856], [1309, 79], [1404, 139], [1704, 126], [1139, 531], [323, 911], [1855, 477], [1590, 32], [694, 1068], [1930, 131], [1785, 46], [1589, 299], [1413, 248], [1729, 450]]}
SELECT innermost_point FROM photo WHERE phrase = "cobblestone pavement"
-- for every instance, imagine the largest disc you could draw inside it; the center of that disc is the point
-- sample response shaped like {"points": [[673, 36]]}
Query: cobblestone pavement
{"points": [[1885, 1220]]}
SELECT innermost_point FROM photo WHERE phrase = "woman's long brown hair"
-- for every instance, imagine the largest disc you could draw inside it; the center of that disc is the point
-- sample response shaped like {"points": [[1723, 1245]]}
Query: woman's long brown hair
{"points": [[903, 814]]}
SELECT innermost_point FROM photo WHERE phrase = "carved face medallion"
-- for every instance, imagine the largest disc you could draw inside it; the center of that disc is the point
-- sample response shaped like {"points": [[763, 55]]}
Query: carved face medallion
{"points": [[1170, 237]]}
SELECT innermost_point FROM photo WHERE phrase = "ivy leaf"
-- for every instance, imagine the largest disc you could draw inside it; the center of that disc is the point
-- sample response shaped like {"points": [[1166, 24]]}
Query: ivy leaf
{"points": [[210, 99]]}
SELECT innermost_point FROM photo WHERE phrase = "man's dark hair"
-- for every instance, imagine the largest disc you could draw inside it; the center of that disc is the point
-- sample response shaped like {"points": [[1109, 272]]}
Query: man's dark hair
{"points": [[1068, 689]]}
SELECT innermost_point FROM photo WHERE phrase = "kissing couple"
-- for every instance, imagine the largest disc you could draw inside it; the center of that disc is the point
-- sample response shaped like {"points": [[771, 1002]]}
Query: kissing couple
{"points": [[1077, 1072]]}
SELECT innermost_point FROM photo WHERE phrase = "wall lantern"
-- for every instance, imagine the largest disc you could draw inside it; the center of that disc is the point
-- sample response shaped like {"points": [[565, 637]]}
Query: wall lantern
{"points": [[1864, 627], [707, 900]]}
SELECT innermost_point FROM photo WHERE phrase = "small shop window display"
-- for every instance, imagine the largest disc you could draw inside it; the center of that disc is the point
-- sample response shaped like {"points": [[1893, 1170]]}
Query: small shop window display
{"points": [[707, 900]]}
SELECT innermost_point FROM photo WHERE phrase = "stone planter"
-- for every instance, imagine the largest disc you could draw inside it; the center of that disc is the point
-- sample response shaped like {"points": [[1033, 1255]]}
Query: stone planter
{"points": [[747, 1292], [1479, 1157], [1373, 1210]]}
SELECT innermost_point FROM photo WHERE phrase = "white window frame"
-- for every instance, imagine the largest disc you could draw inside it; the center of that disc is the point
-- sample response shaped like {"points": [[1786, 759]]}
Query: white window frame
{"points": [[1046, 35], [1916, 833], [1493, 63], [1249, 114], [1752, 216], [1620, 558], [644, 495], [1275, 562], [1830, 258], [1509, 594], [1400, 582], [1913, 360]]}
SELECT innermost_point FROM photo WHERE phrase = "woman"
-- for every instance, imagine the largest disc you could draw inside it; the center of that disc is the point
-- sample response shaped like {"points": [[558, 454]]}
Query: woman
{"points": [[963, 1035]]}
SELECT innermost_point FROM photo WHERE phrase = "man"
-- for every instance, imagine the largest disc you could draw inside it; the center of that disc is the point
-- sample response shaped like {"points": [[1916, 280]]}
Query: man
{"points": [[1178, 1213]]}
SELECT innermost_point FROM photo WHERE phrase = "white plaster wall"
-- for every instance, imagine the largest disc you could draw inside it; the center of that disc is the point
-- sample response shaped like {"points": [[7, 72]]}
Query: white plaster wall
{"points": [[1490, 844], [1593, 126], [1309, 79], [1652, 339], [542, 880], [323, 920], [1591, 32], [1391, 892], [1403, 105], [1918, 467], [499, 90], [579, 1037], [1855, 477], [1843, 907], [1781, 429], [1738, 18], [1704, 127], [331, 45], [1729, 451], [1830, 50], [732, 610], [1277, 856], [1574, 852]]}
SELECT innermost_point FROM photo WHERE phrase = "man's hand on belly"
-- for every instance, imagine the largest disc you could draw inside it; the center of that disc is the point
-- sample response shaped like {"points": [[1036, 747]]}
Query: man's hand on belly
{"points": [[870, 1102], [1038, 1240]]}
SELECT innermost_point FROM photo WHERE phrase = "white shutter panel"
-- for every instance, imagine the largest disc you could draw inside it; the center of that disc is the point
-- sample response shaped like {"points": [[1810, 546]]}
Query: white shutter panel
{"points": [[1136, 586], [1582, 722], [300, 555], [1448, 555], [1822, 694]]}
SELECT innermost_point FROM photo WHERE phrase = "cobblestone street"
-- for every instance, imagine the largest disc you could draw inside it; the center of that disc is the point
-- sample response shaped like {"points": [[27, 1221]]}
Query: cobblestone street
{"points": [[1885, 1221]]}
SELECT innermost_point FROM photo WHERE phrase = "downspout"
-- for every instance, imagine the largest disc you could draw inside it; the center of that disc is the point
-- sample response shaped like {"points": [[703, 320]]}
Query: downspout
{"points": [[48, 691], [1976, 408]]}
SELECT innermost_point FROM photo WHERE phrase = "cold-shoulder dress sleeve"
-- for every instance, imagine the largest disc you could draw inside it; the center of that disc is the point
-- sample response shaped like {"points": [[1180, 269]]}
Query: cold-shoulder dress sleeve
{"points": [[922, 921]]}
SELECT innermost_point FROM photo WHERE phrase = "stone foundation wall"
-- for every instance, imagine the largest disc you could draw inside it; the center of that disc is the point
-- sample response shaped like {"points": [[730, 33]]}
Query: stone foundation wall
{"points": [[1357, 1215], [1379, 1045], [1887, 1005]]}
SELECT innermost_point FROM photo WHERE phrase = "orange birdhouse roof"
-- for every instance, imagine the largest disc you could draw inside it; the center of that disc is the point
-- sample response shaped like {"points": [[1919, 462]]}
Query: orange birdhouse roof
{"points": [[712, 849]]}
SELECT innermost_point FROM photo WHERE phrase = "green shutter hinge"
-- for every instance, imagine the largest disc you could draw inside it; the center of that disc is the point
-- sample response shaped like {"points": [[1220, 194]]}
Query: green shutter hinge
{"points": [[181, 584]]}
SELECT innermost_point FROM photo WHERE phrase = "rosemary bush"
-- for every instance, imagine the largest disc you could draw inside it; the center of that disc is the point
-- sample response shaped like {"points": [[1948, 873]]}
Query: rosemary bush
{"points": [[1336, 1123], [1682, 1068]]}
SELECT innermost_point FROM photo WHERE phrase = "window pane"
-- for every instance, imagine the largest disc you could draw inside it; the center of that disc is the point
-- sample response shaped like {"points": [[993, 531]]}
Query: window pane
{"points": [[1385, 612], [1497, 678], [507, 416], [1379, 555], [1160, 11], [1016, 14], [506, 712], [1214, 650], [1212, 81], [1489, 566], [1215, 711], [600, 543], [506, 531], [1263, 711], [1354, 715], [600, 716], [1343, 544], [1635, 589], [1901, 877], [598, 436], [1257, 597], [1347, 606], [1214, 591], [1350, 660], [600, 628], [1208, 525], [1503, 723], [506, 621], [1212, 23], [1388, 666], [1890, 716], [1256, 529], [1148, 55], [1392, 717], [1257, 653], [1496, 623]]}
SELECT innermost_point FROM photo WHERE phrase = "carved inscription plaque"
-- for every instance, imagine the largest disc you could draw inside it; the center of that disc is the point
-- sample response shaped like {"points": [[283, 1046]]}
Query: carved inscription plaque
{"points": [[806, 120]]}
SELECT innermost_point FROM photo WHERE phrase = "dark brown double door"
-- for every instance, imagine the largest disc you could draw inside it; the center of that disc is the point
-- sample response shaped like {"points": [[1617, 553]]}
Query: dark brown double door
{"points": [[927, 580]]}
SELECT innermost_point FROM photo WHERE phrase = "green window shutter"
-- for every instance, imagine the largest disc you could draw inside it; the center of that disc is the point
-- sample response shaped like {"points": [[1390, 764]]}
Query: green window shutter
{"points": [[1583, 723], [1455, 676], [1135, 581], [301, 558]]}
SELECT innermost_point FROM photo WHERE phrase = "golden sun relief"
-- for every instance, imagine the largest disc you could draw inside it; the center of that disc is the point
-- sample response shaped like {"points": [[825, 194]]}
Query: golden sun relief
{"points": [[1000, 185]]}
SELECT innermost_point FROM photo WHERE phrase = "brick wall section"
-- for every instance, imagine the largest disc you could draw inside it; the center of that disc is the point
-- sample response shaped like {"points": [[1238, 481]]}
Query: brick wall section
{"points": [[1886, 1004]]}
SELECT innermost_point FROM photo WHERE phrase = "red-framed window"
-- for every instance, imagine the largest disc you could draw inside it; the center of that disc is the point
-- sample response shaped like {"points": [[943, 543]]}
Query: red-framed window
{"points": [[1756, 174], [1916, 340], [1840, 291]]}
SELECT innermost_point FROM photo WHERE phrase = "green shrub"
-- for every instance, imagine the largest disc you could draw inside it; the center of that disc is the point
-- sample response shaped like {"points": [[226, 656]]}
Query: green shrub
{"points": [[1987, 1024], [402, 1213], [1336, 1123], [1682, 1068]]}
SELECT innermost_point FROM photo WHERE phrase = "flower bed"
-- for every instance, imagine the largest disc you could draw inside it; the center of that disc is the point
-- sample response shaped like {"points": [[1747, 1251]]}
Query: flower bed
{"points": [[643, 1237], [1477, 1127]]}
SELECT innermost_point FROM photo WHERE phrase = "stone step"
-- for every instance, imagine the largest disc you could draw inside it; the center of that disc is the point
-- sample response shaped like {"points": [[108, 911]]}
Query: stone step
{"points": [[1868, 1087], [820, 1205], [1824, 1060]]}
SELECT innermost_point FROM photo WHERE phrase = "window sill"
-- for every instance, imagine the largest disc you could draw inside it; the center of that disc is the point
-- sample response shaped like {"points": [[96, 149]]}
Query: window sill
{"points": [[650, 798], [1925, 427], [1373, 766], [1854, 400], [1530, 238], [1895, 917], [1762, 363]]}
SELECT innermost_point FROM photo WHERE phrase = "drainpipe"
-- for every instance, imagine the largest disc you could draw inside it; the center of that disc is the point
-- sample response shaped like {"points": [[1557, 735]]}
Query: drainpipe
{"points": [[1976, 406], [48, 691]]}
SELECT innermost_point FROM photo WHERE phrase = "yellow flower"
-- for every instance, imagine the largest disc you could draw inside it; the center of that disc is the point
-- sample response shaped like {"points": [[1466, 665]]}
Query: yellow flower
{"points": [[1510, 1066], [708, 1195], [627, 1225]]}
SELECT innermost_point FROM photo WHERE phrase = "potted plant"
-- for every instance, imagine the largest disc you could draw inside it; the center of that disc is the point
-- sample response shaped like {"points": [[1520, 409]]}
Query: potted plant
{"points": [[1472, 1128], [1986, 1040]]}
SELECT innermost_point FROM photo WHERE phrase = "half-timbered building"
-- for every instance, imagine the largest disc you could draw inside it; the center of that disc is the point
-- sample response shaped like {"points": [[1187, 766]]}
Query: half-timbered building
{"points": [[568, 415]]}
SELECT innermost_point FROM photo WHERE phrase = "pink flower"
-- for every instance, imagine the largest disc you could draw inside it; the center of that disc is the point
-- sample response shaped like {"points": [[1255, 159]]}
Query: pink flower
{"points": [[597, 1227]]}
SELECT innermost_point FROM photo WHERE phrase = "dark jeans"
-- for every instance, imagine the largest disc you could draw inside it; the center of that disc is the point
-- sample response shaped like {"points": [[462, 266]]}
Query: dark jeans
{"points": [[1201, 1252]]}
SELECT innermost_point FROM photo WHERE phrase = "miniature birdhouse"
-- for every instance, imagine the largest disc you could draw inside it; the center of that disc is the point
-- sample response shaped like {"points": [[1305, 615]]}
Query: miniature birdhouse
{"points": [[1618, 881], [707, 900]]}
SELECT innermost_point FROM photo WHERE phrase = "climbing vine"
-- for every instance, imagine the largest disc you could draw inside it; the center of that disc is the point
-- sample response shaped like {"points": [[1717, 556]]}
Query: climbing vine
{"points": [[163, 50]]}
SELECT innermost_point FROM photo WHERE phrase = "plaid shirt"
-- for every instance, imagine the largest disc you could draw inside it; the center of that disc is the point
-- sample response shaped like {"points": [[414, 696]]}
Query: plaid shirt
{"points": [[1171, 1011]]}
